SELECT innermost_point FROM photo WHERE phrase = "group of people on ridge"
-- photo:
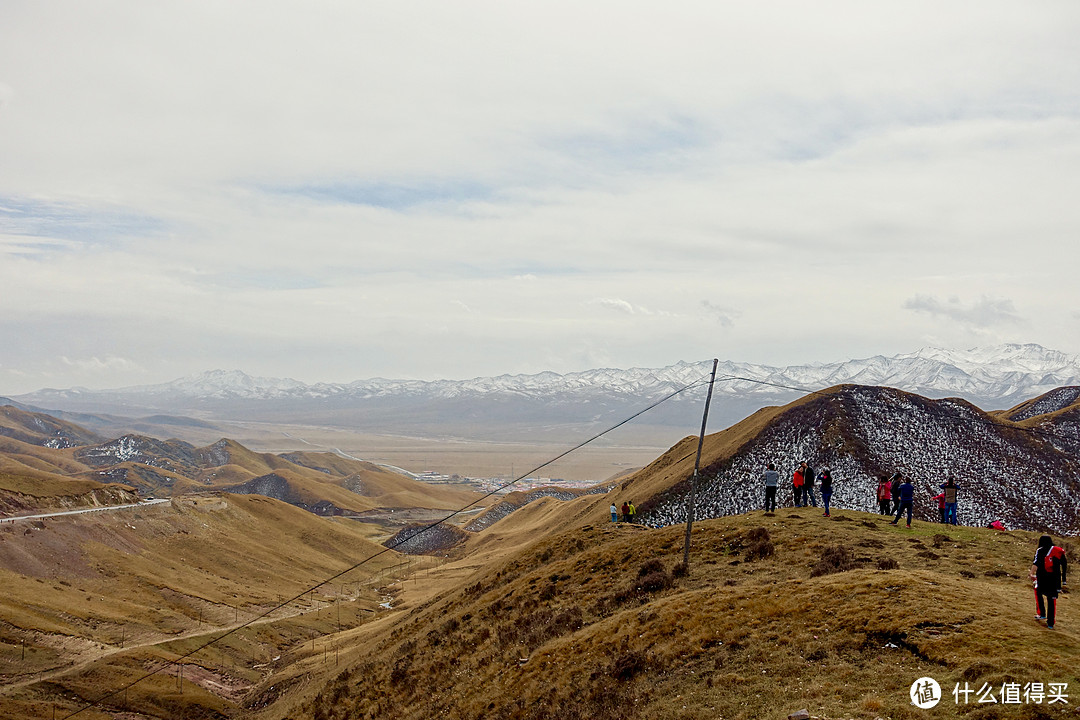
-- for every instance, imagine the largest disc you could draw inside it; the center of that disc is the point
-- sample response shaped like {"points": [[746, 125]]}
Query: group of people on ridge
{"points": [[898, 492], [629, 512], [802, 485], [895, 495]]}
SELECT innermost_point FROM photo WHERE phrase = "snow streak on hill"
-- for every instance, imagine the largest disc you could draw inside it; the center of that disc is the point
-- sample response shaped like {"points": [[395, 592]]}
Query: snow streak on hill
{"points": [[1025, 477]]}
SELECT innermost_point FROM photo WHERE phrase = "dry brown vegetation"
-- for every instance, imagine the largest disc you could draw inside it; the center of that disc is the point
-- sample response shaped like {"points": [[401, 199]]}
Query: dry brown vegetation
{"points": [[597, 622], [91, 602]]}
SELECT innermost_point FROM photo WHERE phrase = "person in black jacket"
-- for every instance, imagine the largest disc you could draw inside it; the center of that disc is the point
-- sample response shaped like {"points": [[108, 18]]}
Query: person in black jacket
{"points": [[1048, 573], [808, 486], [895, 481], [825, 483]]}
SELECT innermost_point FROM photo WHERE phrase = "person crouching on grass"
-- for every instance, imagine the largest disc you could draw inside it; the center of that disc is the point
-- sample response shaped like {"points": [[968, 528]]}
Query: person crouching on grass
{"points": [[1048, 571]]}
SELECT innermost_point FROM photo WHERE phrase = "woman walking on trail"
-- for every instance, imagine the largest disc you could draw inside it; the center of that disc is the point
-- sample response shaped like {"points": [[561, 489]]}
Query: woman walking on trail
{"points": [[797, 482], [1048, 571], [825, 482], [884, 496]]}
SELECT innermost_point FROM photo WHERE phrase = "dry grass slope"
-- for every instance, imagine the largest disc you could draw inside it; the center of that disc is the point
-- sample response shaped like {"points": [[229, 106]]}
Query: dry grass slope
{"points": [[839, 615]]}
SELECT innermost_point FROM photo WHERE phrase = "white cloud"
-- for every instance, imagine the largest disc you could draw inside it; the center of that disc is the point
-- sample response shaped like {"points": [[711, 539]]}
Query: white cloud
{"points": [[984, 313], [617, 305], [350, 176]]}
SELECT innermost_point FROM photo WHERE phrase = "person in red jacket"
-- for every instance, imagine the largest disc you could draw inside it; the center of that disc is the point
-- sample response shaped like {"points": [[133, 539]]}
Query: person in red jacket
{"points": [[940, 497], [1048, 573], [797, 482], [884, 496]]}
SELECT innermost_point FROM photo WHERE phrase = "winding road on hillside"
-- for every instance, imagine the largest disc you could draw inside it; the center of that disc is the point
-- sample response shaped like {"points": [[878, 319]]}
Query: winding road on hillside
{"points": [[80, 511]]}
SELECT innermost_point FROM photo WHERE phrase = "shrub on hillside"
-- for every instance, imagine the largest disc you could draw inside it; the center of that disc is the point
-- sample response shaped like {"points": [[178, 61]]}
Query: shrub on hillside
{"points": [[758, 544], [887, 563], [654, 581], [628, 664], [650, 566], [834, 559]]}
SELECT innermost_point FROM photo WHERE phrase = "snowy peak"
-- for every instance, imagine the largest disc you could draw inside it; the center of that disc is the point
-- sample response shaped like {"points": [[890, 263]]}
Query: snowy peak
{"points": [[220, 384], [993, 378]]}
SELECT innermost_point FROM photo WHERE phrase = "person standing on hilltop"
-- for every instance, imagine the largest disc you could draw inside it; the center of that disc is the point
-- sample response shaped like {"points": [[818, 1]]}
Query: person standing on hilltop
{"points": [[625, 512], [1048, 574], [950, 490], [808, 486], [633, 512], [940, 499], [614, 513], [797, 480], [906, 499], [825, 481], [895, 480], [771, 479], [884, 496]]}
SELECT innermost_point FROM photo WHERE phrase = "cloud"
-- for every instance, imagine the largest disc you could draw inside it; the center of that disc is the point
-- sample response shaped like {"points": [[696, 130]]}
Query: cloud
{"points": [[616, 304], [219, 204], [724, 316], [984, 313], [107, 364]]}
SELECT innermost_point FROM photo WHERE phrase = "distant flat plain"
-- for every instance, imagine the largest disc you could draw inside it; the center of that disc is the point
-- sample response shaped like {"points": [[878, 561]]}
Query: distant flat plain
{"points": [[475, 458]]}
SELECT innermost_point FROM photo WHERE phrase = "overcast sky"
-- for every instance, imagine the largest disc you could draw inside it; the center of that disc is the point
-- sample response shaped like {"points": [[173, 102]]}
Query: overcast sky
{"points": [[342, 190]]}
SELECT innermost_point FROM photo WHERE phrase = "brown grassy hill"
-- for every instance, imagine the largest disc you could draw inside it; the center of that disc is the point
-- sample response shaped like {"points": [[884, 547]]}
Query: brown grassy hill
{"points": [[781, 612], [321, 482], [44, 430], [1005, 471], [1052, 402], [88, 598], [33, 478]]}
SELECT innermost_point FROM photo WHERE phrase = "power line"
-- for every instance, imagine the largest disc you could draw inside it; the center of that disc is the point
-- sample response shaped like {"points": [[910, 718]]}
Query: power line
{"points": [[176, 661]]}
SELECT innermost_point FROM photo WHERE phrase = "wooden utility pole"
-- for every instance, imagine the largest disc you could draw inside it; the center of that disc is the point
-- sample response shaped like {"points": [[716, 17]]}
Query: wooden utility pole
{"points": [[697, 465]]}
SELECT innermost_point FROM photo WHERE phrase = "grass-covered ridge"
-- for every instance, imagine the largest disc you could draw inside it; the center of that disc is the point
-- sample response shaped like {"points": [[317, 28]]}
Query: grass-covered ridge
{"points": [[599, 622]]}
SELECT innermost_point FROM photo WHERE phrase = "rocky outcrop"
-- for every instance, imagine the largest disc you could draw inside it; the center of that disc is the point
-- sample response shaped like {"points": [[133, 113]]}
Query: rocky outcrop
{"points": [[15, 503]]}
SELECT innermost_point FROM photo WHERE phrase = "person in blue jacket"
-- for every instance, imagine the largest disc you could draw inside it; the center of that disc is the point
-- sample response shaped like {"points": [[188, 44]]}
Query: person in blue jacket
{"points": [[906, 500], [950, 489]]}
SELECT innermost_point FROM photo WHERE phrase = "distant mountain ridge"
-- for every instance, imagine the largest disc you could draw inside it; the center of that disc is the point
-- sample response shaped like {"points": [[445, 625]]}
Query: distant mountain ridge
{"points": [[992, 378]]}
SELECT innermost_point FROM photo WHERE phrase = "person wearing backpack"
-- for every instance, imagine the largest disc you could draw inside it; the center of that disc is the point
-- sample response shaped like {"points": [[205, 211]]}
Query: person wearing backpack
{"points": [[950, 489], [1048, 574]]}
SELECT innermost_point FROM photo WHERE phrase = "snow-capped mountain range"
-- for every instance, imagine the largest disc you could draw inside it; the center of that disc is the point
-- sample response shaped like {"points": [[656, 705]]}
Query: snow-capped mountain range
{"points": [[992, 378]]}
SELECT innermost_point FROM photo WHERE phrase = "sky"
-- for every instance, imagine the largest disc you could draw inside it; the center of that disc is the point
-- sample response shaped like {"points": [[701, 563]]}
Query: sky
{"points": [[334, 191]]}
